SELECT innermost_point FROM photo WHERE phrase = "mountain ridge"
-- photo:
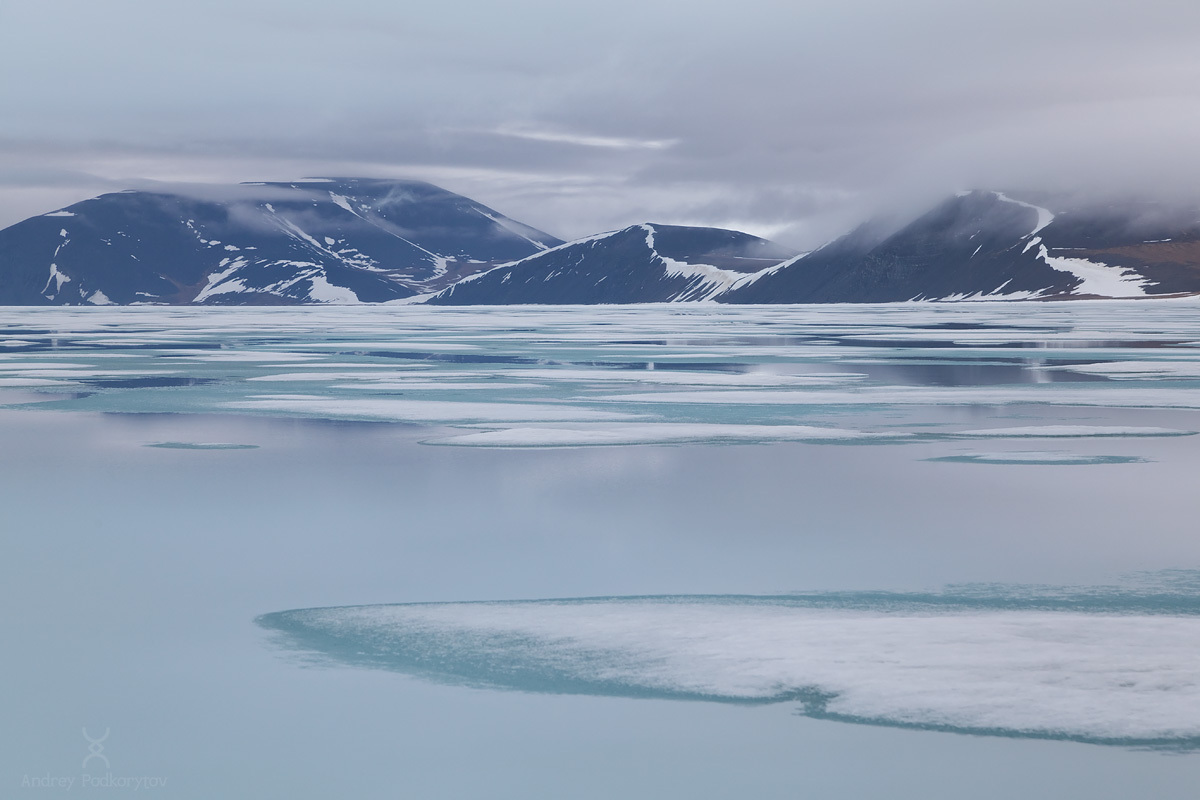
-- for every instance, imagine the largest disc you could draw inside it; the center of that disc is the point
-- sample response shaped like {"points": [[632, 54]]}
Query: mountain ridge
{"points": [[351, 240], [315, 240], [624, 266]]}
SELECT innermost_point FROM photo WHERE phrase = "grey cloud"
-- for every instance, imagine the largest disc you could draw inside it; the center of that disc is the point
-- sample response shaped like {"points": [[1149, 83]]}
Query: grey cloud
{"points": [[789, 118]]}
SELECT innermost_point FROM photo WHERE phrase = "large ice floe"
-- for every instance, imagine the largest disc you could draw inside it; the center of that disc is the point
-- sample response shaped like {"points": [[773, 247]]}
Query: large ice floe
{"points": [[1102, 665]]}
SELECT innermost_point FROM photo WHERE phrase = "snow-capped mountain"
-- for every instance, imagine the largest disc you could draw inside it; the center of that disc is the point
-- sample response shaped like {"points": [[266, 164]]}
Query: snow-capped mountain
{"points": [[645, 263], [349, 240], [317, 240], [988, 245]]}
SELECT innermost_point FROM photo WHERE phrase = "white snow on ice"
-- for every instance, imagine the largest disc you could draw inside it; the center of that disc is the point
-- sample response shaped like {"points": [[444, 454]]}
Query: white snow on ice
{"points": [[1139, 370], [394, 409], [1103, 676], [1072, 431], [634, 433]]}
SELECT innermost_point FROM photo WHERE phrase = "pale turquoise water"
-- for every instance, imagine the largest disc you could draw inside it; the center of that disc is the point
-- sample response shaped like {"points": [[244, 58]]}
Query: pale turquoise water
{"points": [[140, 543]]}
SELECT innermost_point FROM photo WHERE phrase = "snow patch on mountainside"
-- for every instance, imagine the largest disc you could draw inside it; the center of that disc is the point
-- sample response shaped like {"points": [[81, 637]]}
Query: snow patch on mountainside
{"points": [[340, 199], [448, 291], [746, 280], [218, 282], [514, 227], [707, 281], [323, 291], [298, 233], [996, 294], [979, 296], [1044, 216], [56, 275], [57, 278], [1097, 277]]}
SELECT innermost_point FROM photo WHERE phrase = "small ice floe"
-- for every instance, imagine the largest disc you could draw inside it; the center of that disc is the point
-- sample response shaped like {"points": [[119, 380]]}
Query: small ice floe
{"points": [[1138, 370], [403, 344], [435, 386], [635, 433], [404, 410], [1069, 432], [1054, 394], [686, 377], [1038, 458], [325, 377], [203, 446], [242, 355], [28, 382]]}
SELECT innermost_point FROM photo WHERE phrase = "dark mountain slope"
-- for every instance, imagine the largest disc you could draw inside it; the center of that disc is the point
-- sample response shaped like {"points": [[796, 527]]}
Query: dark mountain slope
{"points": [[334, 240], [989, 245], [640, 264]]}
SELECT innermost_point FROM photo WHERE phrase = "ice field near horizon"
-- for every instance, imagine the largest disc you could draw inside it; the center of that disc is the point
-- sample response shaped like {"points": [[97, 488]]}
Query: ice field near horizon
{"points": [[914, 550]]}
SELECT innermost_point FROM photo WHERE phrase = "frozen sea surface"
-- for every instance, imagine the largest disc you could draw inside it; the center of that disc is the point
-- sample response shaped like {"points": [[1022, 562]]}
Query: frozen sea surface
{"points": [[669, 374], [760, 503]]}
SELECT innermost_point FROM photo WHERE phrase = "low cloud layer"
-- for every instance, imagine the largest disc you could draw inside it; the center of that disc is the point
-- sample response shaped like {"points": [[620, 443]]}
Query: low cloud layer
{"points": [[789, 120]]}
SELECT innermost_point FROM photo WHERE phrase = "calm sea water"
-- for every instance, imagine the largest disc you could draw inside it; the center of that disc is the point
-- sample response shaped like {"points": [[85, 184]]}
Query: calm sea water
{"points": [[903, 551]]}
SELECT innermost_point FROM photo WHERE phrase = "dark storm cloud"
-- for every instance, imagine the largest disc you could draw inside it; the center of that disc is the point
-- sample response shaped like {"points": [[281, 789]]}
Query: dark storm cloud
{"points": [[785, 119]]}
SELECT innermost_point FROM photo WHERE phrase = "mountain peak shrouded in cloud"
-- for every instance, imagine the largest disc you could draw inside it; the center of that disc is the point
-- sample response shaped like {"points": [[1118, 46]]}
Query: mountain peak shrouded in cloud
{"points": [[993, 245]]}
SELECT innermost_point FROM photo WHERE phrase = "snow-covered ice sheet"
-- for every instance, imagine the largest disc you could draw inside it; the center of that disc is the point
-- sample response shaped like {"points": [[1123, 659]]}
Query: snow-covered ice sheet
{"points": [[1117, 668]]}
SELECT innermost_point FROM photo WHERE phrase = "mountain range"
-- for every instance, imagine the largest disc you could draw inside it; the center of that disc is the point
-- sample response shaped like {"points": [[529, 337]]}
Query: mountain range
{"points": [[351, 240]]}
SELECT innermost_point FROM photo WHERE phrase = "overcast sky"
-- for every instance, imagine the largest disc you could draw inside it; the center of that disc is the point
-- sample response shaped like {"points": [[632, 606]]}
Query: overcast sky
{"points": [[787, 119]]}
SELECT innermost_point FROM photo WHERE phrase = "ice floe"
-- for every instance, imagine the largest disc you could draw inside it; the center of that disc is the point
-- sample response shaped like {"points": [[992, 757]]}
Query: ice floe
{"points": [[398, 410], [202, 446], [1044, 394], [1139, 370], [1010, 665], [632, 433], [1071, 431], [1033, 458]]}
